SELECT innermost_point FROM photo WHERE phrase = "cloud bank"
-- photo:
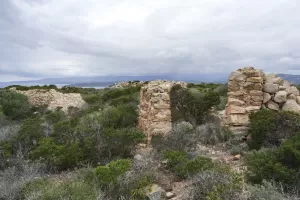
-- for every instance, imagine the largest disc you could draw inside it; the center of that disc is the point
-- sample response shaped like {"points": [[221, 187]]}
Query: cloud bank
{"points": [[56, 38]]}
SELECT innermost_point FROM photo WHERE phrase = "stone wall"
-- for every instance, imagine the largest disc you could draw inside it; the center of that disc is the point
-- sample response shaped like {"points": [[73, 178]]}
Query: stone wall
{"points": [[250, 90], [52, 98], [155, 108]]}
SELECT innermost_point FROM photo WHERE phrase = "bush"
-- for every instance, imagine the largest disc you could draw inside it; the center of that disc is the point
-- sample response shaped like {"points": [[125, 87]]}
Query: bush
{"points": [[216, 185], [179, 163], [13, 179], [190, 106], [14, 105], [109, 173], [269, 128], [264, 164], [74, 188], [270, 191], [120, 142], [182, 138], [289, 152]]}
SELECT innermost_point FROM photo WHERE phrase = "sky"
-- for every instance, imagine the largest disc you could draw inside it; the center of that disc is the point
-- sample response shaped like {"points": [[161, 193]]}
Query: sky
{"points": [[58, 38]]}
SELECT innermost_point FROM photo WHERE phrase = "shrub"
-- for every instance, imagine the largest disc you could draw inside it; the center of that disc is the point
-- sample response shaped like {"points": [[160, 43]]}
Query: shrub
{"points": [[188, 106], [268, 128], [289, 152], [216, 185], [183, 167], [212, 132], [74, 188], [13, 179], [264, 164], [182, 138], [109, 173], [14, 105], [269, 191], [120, 142]]}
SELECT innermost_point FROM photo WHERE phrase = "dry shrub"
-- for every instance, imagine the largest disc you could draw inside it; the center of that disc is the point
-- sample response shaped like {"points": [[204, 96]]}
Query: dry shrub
{"points": [[13, 179]]}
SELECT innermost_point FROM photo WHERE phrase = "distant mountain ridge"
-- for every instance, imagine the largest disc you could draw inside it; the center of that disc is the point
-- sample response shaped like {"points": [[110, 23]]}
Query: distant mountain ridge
{"points": [[295, 79], [109, 80]]}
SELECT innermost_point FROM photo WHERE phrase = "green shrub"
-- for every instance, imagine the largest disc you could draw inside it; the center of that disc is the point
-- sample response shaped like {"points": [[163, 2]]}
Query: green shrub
{"points": [[268, 128], [14, 105], [289, 152], [120, 142], [183, 167], [109, 173], [75, 189], [264, 164], [189, 106]]}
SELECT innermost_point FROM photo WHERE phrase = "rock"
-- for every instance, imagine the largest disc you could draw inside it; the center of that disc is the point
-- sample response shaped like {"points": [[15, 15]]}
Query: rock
{"points": [[238, 119], [138, 157], [235, 110], [267, 97], [235, 102], [155, 192], [272, 78], [291, 105], [236, 157], [294, 90], [292, 96], [54, 99], [282, 88], [298, 99], [170, 195], [252, 108], [280, 96], [287, 85], [255, 79], [271, 88], [272, 105]]}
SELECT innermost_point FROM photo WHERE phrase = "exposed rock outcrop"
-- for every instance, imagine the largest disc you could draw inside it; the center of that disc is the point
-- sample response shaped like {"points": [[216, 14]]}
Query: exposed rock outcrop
{"points": [[155, 108], [128, 84], [53, 99], [250, 90]]}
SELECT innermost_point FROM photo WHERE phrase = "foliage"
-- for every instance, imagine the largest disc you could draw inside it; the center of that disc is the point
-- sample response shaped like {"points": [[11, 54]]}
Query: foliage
{"points": [[268, 128], [183, 166], [14, 105], [266, 164], [109, 173], [216, 185], [191, 107], [14, 178], [74, 188]]}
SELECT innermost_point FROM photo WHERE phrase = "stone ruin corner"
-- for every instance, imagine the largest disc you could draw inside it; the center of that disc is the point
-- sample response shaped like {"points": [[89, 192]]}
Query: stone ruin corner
{"points": [[250, 90]]}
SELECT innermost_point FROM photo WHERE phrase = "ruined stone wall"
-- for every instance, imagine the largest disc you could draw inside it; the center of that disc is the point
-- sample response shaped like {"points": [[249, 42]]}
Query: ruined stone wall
{"points": [[52, 98], [250, 90], [155, 108]]}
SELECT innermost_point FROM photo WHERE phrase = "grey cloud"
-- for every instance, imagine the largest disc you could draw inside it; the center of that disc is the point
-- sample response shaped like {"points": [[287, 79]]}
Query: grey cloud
{"points": [[42, 38]]}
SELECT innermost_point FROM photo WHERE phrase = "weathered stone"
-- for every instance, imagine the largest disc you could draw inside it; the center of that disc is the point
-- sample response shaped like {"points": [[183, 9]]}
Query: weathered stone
{"points": [[271, 88], [287, 85], [236, 76], [282, 88], [258, 99], [272, 105], [291, 105], [272, 78], [170, 195], [250, 109], [267, 97], [231, 109], [238, 119], [235, 102], [294, 90], [292, 96], [298, 99], [256, 93], [255, 79], [53, 99], [248, 86], [155, 108], [280, 96]]}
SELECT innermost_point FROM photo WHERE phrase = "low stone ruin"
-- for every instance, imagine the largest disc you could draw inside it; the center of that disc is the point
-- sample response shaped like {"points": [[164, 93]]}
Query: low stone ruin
{"points": [[155, 108], [53, 99], [250, 90]]}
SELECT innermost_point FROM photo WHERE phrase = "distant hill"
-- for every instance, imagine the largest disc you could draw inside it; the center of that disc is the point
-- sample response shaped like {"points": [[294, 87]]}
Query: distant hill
{"points": [[102, 81], [295, 79]]}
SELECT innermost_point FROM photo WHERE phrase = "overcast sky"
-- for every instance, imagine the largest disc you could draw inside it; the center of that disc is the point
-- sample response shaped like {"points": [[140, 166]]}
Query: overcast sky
{"points": [[55, 38]]}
